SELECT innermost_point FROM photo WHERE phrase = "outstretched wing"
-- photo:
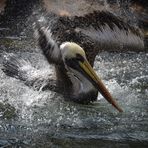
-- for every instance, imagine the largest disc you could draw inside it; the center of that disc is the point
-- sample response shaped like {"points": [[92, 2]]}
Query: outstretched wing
{"points": [[48, 45], [111, 33], [97, 31], [21, 69]]}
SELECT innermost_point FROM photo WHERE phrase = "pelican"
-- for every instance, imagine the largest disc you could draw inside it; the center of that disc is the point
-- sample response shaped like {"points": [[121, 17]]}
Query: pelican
{"points": [[71, 45]]}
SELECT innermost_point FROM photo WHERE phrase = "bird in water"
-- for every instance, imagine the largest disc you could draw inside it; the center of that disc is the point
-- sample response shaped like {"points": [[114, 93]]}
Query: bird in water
{"points": [[71, 45]]}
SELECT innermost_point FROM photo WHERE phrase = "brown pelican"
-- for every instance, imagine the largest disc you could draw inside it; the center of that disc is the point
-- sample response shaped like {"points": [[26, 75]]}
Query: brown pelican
{"points": [[71, 45]]}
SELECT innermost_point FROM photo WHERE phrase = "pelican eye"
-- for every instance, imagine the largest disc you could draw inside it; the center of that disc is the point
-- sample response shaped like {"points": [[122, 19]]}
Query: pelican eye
{"points": [[79, 57], [73, 62]]}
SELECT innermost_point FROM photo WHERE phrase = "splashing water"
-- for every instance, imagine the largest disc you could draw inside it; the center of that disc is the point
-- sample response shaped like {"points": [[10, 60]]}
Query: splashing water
{"points": [[31, 118], [45, 114]]}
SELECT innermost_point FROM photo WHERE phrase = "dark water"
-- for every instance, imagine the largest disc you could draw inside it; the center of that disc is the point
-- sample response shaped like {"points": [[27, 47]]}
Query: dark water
{"points": [[31, 118]]}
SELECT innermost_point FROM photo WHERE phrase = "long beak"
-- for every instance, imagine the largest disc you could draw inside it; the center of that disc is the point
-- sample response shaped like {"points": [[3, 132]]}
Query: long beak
{"points": [[96, 81]]}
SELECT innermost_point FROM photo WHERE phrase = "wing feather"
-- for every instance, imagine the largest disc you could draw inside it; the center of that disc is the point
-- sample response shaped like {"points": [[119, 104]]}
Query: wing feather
{"points": [[48, 45]]}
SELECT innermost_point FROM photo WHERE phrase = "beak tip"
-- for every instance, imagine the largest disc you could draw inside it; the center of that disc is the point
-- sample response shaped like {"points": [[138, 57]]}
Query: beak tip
{"points": [[117, 107], [120, 110]]}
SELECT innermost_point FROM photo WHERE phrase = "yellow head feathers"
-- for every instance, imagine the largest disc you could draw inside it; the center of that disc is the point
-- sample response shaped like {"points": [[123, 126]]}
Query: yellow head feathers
{"points": [[70, 49]]}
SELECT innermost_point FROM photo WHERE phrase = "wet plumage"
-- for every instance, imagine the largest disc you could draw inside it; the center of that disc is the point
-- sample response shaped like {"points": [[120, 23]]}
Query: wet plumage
{"points": [[90, 34]]}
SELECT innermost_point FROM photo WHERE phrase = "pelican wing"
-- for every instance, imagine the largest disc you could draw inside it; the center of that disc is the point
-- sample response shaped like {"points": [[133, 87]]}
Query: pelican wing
{"points": [[97, 31], [48, 45], [110, 32]]}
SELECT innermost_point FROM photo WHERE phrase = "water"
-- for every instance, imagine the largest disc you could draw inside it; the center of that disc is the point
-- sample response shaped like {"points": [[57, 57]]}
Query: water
{"points": [[43, 118], [31, 118]]}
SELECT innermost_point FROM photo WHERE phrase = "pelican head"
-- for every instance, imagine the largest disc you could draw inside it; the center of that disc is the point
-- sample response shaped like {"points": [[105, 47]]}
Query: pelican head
{"points": [[85, 81]]}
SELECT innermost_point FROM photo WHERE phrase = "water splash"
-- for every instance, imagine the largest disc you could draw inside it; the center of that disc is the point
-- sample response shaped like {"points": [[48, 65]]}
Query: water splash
{"points": [[46, 111], [45, 119]]}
